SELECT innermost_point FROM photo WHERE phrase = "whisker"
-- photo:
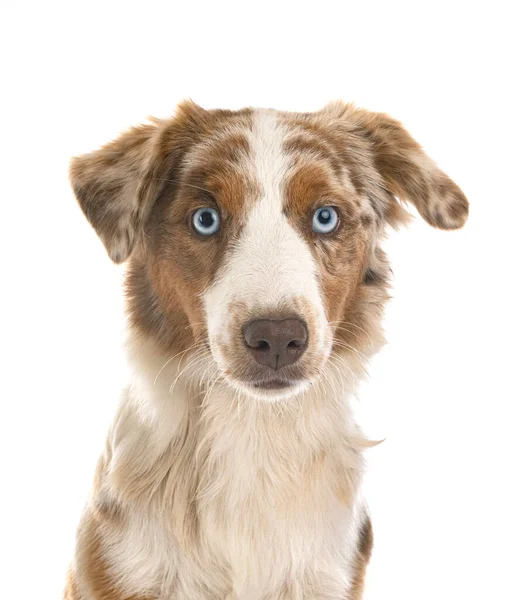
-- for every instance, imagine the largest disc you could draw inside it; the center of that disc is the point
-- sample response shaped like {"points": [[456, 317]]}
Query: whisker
{"points": [[205, 374], [343, 344], [350, 324], [193, 362], [209, 391], [345, 366], [173, 357]]}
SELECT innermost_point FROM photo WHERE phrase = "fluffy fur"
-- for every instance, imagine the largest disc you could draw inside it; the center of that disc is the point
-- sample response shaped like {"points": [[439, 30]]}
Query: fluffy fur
{"points": [[212, 487]]}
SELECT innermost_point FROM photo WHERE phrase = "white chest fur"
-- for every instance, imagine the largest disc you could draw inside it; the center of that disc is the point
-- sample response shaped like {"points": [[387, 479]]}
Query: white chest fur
{"points": [[234, 498]]}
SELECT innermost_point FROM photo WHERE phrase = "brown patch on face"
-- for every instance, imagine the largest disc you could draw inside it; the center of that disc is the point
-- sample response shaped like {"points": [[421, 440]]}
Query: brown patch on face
{"points": [[312, 184], [357, 331], [339, 255], [179, 263]]}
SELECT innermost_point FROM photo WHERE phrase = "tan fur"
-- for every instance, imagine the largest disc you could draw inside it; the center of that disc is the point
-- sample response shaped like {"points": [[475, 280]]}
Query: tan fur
{"points": [[203, 493], [364, 552]]}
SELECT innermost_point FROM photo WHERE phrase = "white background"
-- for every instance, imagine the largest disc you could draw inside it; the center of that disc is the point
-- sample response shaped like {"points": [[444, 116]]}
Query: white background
{"points": [[75, 74]]}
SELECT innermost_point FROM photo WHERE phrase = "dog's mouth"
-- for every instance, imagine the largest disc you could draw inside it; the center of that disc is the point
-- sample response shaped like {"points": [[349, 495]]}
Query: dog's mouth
{"points": [[274, 388], [273, 384]]}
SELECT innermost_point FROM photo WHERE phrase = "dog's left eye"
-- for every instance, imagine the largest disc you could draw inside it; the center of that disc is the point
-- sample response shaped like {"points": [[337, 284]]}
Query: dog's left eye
{"points": [[325, 219], [206, 221]]}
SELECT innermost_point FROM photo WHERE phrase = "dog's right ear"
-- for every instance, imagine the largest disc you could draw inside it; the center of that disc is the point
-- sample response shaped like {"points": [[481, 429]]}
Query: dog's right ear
{"points": [[117, 185]]}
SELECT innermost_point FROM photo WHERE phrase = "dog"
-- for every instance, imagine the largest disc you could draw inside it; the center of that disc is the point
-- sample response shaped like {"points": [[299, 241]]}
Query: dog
{"points": [[255, 287]]}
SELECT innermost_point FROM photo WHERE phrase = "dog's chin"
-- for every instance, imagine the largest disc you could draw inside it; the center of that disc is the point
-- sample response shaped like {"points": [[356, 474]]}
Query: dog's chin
{"points": [[273, 390]]}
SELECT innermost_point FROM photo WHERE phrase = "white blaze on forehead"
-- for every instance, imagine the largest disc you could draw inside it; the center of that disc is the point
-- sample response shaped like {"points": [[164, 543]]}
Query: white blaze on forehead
{"points": [[271, 264]]}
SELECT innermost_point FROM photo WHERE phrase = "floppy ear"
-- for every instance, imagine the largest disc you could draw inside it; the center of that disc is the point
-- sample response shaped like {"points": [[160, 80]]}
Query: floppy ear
{"points": [[117, 185], [408, 172]]}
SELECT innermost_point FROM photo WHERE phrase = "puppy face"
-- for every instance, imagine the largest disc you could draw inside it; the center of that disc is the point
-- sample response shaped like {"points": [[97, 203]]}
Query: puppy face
{"points": [[253, 235]]}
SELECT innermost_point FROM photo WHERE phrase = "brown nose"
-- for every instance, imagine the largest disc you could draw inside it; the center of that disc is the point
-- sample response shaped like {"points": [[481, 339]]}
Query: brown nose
{"points": [[276, 343]]}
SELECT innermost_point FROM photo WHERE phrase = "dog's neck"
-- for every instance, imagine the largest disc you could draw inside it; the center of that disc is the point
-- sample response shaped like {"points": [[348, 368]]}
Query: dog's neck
{"points": [[163, 414]]}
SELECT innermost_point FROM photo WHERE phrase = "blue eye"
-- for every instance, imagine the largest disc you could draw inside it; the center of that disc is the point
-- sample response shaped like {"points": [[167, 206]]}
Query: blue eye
{"points": [[206, 221], [325, 219]]}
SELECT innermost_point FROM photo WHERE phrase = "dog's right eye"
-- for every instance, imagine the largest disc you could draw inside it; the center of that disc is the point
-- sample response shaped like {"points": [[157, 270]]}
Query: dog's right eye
{"points": [[206, 221]]}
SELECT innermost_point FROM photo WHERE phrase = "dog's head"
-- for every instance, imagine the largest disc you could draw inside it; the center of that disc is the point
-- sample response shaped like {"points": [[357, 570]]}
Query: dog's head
{"points": [[253, 235]]}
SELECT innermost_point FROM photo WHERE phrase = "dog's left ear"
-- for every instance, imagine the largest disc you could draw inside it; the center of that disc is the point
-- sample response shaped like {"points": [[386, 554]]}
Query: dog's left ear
{"points": [[408, 173]]}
